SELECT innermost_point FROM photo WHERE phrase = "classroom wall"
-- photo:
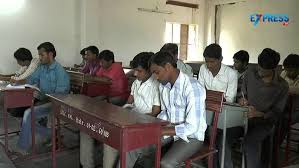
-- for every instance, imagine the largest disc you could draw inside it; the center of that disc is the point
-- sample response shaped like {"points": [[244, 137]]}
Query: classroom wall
{"points": [[37, 21], [127, 31], [237, 32]]}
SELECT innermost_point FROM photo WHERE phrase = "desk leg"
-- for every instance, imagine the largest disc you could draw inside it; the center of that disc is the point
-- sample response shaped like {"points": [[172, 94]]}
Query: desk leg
{"points": [[53, 138], [123, 158], [33, 130], [58, 134], [158, 153], [5, 129], [223, 141]]}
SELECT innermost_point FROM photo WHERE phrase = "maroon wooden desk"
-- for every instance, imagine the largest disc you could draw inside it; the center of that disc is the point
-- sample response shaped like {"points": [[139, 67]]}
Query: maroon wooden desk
{"points": [[112, 125], [14, 98]]}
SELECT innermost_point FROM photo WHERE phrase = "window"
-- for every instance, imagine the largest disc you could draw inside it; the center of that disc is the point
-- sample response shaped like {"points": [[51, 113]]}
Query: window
{"points": [[185, 36]]}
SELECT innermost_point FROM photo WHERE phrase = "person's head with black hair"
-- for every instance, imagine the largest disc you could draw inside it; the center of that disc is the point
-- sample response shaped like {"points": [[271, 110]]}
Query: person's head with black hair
{"points": [[163, 67], [23, 56], [46, 52], [267, 64], [83, 53], [140, 64], [213, 58], [291, 66], [107, 58], [91, 53], [172, 49], [241, 59]]}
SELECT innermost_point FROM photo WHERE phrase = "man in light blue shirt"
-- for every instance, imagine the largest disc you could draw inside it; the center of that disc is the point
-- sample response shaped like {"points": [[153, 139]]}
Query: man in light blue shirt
{"points": [[50, 77], [183, 105]]}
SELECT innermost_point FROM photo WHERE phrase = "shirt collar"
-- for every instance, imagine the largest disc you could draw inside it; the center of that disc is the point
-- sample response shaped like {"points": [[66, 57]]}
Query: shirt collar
{"points": [[53, 65], [177, 83]]}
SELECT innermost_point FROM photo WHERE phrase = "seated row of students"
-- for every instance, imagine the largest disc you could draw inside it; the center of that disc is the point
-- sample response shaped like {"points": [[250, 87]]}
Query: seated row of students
{"points": [[182, 98]]}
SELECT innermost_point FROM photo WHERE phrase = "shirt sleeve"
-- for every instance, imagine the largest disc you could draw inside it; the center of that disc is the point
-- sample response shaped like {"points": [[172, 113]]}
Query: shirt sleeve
{"points": [[189, 70], [163, 115], [32, 67], [85, 68], [156, 96], [62, 82], [133, 87], [34, 78], [195, 113], [201, 75], [232, 87], [278, 107]]}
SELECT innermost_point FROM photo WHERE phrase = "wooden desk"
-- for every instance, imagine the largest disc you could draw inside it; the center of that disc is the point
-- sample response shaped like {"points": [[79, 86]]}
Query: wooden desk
{"points": [[14, 98], [112, 125]]}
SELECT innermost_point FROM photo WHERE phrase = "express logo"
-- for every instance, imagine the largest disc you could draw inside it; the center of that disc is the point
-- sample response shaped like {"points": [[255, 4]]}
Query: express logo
{"points": [[269, 18]]}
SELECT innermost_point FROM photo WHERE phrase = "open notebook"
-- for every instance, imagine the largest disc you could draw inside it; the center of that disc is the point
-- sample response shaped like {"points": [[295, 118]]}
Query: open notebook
{"points": [[9, 86]]}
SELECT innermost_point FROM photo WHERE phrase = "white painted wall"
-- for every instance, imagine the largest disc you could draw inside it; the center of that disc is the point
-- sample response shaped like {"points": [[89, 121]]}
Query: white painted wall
{"points": [[237, 32], [57, 21], [127, 31]]}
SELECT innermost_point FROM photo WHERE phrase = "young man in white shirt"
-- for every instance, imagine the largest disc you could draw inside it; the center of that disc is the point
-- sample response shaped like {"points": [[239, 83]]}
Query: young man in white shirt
{"points": [[27, 63], [214, 75], [173, 49], [183, 105], [144, 98]]}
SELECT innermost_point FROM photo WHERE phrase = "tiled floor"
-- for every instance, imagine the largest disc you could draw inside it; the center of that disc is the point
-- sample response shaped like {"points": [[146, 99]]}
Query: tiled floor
{"points": [[70, 157]]}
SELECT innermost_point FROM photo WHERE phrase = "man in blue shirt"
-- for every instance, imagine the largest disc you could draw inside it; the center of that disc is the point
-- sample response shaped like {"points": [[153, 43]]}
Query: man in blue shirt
{"points": [[50, 77]]}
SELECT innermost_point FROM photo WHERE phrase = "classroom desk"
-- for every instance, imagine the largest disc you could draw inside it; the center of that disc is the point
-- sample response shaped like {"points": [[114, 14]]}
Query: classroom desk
{"points": [[14, 98], [110, 124]]}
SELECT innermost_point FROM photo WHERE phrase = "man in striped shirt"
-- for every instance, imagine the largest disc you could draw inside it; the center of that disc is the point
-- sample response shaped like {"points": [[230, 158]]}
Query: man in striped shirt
{"points": [[183, 105]]}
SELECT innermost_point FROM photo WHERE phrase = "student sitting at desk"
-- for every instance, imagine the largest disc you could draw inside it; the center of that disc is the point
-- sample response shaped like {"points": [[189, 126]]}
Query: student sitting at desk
{"points": [[183, 105], [28, 66], [83, 55], [27, 63], [144, 98], [241, 59], [118, 94], [92, 61], [291, 75], [291, 72], [50, 77], [214, 75], [265, 94], [173, 50]]}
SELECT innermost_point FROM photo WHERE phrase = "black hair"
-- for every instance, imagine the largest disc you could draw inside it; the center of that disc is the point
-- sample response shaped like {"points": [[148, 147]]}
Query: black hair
{"points": [[48, 47], [268, 59], [23, 54], [93, 49], [292, 61], [161, 58], [171, 48], [107, 55], [242, 56], [82, 52], [213, 51], [142, 59]]}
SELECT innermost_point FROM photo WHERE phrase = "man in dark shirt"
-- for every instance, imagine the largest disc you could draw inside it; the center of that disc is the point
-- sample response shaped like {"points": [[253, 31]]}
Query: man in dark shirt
{"points": [[265, 94], [241, 59]]}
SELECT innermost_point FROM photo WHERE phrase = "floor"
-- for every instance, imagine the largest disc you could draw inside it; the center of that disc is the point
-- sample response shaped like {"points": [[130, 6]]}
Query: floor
{"points": [[70, 156]]}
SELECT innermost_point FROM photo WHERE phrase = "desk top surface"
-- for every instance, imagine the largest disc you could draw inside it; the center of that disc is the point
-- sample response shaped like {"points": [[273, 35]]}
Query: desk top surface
{"points": [[118, 116]]}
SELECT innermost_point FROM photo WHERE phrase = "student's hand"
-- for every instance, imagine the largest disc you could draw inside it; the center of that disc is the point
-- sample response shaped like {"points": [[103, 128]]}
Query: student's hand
{"points": [[252, 113], [168, 130], [243, 102], [13, 80]]}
